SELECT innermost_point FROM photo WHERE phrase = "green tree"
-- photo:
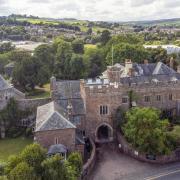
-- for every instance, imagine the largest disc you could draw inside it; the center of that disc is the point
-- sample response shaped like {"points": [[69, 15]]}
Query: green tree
{"points": [[25, 73], [10, 114], [94, 61], [77, 67], [124, 51], [12, 162], [78, 46], [75, 160], [54, 168], [145, 131], [21, 172], [33, 155], [105, 37], [63, 58]]}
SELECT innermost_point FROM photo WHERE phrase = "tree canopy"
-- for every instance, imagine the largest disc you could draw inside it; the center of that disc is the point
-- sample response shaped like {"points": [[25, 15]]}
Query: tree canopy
{"points": [[146, 131]]}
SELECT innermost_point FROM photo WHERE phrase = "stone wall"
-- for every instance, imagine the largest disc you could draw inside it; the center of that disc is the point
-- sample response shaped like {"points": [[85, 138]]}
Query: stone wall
{"points": [[32, 103], [89, 165], [127, 149], [63, 136], [112, 94]]}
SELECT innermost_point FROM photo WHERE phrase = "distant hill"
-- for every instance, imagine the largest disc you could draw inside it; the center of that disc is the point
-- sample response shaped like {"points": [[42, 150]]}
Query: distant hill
{"points": [[160, 22]]}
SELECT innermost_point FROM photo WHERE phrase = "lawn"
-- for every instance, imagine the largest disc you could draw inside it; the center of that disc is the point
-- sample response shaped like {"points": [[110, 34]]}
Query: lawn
{"points": [[39, 92], [12, 147]]}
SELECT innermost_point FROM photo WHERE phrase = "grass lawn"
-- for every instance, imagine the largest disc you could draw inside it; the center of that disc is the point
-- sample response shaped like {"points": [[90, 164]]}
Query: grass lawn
{"points": [[39, 92], [12, 146]]}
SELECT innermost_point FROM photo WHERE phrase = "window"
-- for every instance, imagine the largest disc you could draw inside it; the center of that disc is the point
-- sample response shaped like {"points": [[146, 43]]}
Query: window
{"points": [[147, 98], [124, 100], [103, 110], [158, 97], [170, 97], [56, 140]]}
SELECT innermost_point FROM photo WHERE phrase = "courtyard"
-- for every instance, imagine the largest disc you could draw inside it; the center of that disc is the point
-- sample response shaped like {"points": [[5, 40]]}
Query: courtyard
{"points": [[113, 165]]}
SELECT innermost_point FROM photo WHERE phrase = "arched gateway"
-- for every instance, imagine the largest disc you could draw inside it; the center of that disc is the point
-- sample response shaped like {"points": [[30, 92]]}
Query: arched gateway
{"points": [[104, 133]]}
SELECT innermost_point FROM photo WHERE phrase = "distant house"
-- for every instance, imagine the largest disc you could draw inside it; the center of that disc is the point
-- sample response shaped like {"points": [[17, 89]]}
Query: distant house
{"points": [[7, 91], [169, 48]]}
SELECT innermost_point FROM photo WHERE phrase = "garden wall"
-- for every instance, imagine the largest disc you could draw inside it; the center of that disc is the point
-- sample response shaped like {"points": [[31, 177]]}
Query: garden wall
{"points": [[125, 147], [88, 167], [32, 103]]}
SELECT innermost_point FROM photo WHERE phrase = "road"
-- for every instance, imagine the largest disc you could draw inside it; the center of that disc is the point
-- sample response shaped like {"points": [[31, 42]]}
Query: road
{"points": [[113, 165]]}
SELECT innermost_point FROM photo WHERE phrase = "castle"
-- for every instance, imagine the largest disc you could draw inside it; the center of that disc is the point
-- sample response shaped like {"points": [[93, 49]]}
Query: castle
{"points": [[86, 108]]}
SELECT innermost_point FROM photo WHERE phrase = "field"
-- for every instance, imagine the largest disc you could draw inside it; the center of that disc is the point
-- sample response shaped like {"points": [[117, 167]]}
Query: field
{"points": [[82, 24], [12, 147]]}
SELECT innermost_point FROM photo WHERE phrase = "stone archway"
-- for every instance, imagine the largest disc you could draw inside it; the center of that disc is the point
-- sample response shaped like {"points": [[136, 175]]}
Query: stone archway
{"points": [[104, 133]]}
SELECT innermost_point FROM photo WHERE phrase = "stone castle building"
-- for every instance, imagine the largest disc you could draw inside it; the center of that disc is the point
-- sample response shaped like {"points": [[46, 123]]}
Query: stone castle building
{"points": [[87, 107]]}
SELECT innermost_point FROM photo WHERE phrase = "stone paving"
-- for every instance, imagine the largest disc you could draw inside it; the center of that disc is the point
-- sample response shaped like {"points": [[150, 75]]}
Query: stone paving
{"points": [[113, 165]]}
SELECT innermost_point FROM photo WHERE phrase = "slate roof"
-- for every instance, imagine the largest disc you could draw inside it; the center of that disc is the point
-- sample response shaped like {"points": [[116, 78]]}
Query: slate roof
{"points": [[77, 104], [57, 148], [4, 84], [51, 117], [153, 69], [69, 89], [150, 79]]}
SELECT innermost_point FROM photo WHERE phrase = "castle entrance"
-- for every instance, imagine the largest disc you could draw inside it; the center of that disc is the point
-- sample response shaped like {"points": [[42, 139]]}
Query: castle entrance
{"points": [[104, 133]]}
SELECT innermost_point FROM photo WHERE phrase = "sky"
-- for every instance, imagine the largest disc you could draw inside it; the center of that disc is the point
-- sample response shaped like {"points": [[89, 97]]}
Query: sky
{"points": [[101, 10]]}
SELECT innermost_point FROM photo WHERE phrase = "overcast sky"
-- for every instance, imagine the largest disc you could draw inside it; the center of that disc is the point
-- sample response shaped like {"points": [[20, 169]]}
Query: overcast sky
{"points": [[106, 10]]}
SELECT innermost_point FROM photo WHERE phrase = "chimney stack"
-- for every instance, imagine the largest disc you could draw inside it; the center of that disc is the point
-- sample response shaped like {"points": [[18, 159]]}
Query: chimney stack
{"points": [[128, 65], [171, 63]]}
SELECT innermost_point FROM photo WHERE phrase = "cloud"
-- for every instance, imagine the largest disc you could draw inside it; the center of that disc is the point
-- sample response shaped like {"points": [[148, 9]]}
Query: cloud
{"points": [[137, 3], [106, 10]]}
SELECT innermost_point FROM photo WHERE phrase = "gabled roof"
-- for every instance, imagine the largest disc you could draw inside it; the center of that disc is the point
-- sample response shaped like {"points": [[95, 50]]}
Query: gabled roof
{"points": [[161, 68], [50, 118], [4, 84]]}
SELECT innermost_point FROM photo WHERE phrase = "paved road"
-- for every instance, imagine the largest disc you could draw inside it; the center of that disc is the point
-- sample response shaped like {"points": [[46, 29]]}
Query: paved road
{"points": [[112, 165]]}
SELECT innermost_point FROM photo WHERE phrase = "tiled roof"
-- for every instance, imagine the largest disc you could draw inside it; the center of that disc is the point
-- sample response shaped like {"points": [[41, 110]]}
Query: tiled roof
{"points": [[49, 117]]}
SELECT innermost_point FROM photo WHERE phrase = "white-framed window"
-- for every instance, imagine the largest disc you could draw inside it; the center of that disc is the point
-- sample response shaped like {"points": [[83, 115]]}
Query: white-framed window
{"points": [[103, 110]]}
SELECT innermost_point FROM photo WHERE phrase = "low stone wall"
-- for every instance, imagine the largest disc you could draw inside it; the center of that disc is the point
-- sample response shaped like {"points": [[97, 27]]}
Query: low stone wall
{"points": [[125, 147], [32, 103], [88, 167]]}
